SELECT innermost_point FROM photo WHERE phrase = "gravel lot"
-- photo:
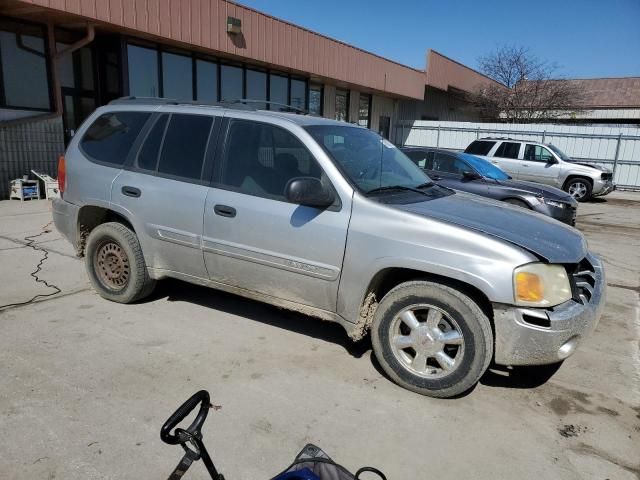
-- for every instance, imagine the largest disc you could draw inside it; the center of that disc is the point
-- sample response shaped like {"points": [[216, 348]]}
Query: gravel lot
{"points": [[85, 384]]}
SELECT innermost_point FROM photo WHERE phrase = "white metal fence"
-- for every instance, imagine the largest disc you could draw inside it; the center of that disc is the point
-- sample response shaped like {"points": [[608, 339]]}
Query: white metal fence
{"points": [[615, 147]]}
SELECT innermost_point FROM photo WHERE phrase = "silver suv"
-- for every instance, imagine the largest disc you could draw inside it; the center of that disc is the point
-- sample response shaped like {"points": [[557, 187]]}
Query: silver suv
{"points": [[331, 220], [545, 163]]}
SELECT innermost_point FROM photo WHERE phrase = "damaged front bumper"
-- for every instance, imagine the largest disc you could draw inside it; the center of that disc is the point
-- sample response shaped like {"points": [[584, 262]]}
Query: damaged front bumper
{"points": [[538, 336], [603, 187]]}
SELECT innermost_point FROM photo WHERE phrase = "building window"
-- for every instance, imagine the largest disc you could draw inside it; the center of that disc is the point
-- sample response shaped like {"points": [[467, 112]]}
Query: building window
{"points": [[364, 110], [278, 91], [315, 100], [143, 71], [155, 72], [230, 83], [177, 79], [298, 94], [257, 87], [342, 105], [206, 81], [23, 62]]}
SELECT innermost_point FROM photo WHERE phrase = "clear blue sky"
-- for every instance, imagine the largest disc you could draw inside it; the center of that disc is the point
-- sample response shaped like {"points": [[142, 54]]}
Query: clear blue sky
{"points": [[588, 38]]}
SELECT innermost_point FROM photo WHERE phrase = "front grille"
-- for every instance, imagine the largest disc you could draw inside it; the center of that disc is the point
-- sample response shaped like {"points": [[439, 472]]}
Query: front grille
{"points": [[574, 215], [583, 281], [606, 176]]}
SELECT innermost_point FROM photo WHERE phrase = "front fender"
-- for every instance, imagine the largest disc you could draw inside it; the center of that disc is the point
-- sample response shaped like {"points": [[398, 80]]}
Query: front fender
{"points": [[382, 238]]}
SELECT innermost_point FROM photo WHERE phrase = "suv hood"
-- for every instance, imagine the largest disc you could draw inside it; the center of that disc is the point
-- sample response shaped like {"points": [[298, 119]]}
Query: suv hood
{"points": [[600, 168], [545, 237]]}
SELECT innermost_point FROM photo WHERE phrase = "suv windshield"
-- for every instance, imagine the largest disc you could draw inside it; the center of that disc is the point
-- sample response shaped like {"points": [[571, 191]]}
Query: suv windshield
{"points": [[484, 168], [370, 162], [560, 153]]}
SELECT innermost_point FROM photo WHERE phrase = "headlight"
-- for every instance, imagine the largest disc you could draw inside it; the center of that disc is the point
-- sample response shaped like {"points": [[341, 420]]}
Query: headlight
{"points": [[541, 285], [553, 203]]}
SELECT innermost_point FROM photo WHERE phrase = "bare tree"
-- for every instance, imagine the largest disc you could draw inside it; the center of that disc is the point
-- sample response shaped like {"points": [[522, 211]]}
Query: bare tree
{"points": [[527, 88]]}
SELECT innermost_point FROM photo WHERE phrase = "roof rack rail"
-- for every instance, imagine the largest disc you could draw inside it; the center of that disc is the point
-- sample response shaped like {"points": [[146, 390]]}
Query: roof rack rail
{"points": [[171, 101], [240, 104], [284, 106]]}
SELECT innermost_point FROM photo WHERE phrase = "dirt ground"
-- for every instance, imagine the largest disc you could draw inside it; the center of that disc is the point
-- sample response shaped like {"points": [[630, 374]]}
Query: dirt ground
{"points": [[85, 384]]}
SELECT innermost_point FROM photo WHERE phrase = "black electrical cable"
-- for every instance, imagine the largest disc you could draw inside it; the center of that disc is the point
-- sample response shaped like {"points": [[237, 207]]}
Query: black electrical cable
{"points": [[31, 244]]}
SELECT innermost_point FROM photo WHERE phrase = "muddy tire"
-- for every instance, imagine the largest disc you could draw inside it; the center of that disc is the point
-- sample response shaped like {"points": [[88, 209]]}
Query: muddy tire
{"points": [[115, 264], [432, 339]]}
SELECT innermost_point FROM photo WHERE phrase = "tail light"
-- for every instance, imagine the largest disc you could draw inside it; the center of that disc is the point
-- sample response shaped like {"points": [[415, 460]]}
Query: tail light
{"points": [[62, 174]]}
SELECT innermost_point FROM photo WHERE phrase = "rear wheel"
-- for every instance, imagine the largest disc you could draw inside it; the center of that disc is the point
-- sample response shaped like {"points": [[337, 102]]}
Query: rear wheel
{"points": [[115, 264], [432, 339], [579, 188]]}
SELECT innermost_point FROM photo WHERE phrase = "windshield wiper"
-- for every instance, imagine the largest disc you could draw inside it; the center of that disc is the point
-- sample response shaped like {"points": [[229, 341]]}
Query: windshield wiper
{"points": [[416, 189]]}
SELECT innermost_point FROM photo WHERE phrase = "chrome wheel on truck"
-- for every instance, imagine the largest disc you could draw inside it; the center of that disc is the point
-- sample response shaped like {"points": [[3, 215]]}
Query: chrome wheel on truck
{"points": [[579, 189], [431, 338], [427, 341]]}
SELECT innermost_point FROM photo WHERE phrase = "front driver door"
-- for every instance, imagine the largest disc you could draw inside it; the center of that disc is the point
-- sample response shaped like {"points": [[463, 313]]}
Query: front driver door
{"points": [[539, 165], [506, 157], [253, 238]]}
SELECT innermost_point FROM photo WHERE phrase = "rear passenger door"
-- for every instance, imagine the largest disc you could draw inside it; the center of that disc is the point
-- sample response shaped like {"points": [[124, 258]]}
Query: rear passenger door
{"points": [[163, 191], [254, 238], [506, 157]]}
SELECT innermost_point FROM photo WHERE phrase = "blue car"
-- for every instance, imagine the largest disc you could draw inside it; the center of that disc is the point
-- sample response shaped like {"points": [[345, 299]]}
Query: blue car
{"points": [[468, 173]]}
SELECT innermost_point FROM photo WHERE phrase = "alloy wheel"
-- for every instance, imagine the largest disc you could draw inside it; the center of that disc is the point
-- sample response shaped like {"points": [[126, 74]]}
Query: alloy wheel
{"points": [[426, 341], [578, 190]]}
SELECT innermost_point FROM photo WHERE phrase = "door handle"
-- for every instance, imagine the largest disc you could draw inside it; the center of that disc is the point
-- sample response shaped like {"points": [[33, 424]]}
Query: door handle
{"points": [[225, 211], [131, 191]]}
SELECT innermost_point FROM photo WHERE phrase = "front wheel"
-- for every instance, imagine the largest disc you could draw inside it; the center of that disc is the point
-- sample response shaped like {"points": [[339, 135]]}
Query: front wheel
{"points": [[432, 339], [579, 188], [115, 264]]}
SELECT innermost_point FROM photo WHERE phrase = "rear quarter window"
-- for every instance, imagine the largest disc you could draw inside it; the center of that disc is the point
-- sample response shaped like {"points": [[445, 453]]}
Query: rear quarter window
{"points": [[110, 138], [508, 150], [479, 147]]}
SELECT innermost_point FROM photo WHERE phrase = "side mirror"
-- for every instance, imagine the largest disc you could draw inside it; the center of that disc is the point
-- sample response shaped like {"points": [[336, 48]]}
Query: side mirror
{"points": [[309, 192], [470, 175], [552, 161]]}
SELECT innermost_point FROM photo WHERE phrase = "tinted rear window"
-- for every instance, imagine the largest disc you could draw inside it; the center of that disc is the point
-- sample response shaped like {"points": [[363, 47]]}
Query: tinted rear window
{"points": [[479, 147], [110, 138], [508, 150], [148, 156], [184, 146]]}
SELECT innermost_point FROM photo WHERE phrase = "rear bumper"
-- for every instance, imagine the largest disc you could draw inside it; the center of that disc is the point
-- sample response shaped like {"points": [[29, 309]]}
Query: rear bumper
{"points": [[534, 336], [65, 218]]}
